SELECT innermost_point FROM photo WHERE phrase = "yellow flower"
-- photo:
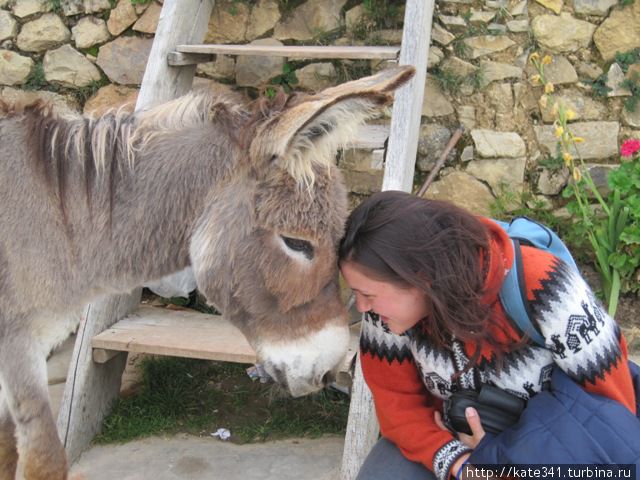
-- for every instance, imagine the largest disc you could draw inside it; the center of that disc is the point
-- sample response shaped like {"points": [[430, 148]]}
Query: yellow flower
{"points": [[535, 79], [535, 56], [546, 60], [559, 131], [544, 100], [578, 139], [568, 158], [570, 114], [577, 175], [548, 88]]}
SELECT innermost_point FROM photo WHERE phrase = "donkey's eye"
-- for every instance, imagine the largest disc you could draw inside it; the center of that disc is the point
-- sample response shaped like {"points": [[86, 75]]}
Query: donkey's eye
{"points": [[299, 245]]}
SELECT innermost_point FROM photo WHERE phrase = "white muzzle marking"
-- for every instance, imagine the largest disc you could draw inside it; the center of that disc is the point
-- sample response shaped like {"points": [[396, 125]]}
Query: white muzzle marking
{"points": [[301, 364]]}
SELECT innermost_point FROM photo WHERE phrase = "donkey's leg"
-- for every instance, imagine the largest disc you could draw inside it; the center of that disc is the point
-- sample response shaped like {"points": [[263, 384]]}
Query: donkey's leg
{"points": [[23, 379], [8, 451]]}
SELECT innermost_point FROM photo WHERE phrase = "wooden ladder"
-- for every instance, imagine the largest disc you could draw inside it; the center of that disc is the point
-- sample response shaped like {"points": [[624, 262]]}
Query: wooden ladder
{"points": [[118, 324]]}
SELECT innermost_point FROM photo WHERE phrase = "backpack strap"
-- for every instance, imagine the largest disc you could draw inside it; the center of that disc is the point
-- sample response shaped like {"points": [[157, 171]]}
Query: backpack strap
{"points": [[514, 298]]}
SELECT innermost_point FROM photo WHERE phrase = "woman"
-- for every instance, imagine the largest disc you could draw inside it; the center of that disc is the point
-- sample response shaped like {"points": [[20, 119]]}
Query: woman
{"points": [[427, 274]]}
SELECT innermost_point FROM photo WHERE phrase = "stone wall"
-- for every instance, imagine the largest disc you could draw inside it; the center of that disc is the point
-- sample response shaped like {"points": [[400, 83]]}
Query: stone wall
{"points": [[91, 54]]}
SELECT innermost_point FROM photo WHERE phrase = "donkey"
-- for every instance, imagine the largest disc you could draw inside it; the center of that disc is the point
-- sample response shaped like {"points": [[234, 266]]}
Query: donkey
{"points": [[248, 198]]}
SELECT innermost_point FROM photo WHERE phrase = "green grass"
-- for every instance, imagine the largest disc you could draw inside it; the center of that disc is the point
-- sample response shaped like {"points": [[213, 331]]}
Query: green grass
{"points": [[198, 397]]}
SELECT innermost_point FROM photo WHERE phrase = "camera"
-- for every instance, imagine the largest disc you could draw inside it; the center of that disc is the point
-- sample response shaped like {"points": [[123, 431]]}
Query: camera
{"points": [[497, 409]]}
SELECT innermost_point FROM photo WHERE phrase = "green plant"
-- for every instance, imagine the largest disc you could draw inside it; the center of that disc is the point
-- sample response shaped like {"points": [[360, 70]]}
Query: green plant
{"points": [[55, 5], [599, 86], [602, 223], [197, 396], [448, 80], [285, 81], [140, 2], [628, 58], [83, 94], [383, 13], [633, 85], [36, 79]]}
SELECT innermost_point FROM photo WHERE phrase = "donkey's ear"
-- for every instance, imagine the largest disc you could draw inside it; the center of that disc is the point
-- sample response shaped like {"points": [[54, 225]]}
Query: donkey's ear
{"points": [[310, 133]]}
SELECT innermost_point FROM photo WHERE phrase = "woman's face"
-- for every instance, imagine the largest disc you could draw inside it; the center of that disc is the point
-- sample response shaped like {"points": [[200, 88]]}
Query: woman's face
{"points": [[399, 308]]}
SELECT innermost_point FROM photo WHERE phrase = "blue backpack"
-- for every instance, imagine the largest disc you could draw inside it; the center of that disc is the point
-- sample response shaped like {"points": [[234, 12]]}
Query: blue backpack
{"points": [[513, 294]]}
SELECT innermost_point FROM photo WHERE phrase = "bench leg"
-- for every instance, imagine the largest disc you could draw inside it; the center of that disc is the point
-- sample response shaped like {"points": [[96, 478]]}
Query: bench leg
{"points": [[362, 427]]}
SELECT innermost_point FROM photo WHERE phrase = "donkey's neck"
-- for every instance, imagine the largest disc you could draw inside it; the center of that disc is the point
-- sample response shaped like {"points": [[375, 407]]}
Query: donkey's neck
{"points": [[156, 203]]}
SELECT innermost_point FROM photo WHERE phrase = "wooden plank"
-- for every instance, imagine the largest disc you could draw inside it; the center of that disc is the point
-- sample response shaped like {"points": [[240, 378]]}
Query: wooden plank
{"points": [[362, 427], [370, 137], [91, 387], [178, 334], [289, 51], [407, 107], [177, 59]]}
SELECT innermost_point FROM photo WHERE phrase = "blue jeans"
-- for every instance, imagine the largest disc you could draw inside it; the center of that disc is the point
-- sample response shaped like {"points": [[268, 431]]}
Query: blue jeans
{"points": [[386, 462]]}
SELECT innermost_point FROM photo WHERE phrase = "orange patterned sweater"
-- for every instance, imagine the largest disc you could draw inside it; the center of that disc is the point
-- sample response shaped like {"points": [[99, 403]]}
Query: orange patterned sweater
{"points": [[409, 378]]}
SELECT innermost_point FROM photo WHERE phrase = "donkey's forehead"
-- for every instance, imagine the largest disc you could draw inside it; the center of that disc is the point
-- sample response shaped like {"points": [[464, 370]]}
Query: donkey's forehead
{"points": [[319, 210]]}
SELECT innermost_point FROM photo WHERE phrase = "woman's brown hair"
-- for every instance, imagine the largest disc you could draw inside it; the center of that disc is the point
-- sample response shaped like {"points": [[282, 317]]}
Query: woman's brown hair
{"points": [[432, 245]]}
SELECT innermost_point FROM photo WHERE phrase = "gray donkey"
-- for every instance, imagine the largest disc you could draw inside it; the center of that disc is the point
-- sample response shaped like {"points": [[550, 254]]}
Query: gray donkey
{"points": [[248, 197]]}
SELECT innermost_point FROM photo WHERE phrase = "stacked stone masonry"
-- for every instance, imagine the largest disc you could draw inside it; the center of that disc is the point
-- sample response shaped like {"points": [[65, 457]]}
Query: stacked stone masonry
{"points": [[72, 51]]}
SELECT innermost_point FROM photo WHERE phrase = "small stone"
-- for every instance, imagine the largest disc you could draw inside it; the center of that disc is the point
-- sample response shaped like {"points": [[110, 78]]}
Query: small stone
{"points": [[90, 31], [316, 76], [589, 70], [432, 141], [134, 49], [492, 144], [8, 25], [463, 190], [435, 57], [148, 22], [453, 24], [14, 68], [458, 67], [44, 33], [222, 68], [619, 32], [467, 116], [467, 154], [25, 8], [435, 104], [121, 17], [552, 182], [486, 45], [599, 8], [553, 5], [441, 36], [481, 17], [562, 33], [111, 97], [310, 19], [519, 8], [68, 67], [518, 26], [256, 71], [264, 16], [495, 71], [228, 22], [600, 139], [500, 172], [615, 77]]}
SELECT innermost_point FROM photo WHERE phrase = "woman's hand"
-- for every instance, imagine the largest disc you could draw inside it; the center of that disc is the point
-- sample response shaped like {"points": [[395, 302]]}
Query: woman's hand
{"points": [[473, 419]]}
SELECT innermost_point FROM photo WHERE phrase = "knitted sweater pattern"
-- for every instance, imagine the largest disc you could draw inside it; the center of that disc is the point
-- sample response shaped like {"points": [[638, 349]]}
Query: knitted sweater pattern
{"points": [[409, 377]]}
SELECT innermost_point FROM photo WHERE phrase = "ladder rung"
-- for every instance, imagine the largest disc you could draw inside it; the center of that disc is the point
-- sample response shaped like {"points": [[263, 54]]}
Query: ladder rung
{"points": [[330, 51]]}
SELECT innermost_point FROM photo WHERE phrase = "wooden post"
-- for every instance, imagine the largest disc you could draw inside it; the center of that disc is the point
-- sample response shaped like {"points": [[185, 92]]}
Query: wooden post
{"points": [[407, 106], [362, 426], [91, 387]]}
